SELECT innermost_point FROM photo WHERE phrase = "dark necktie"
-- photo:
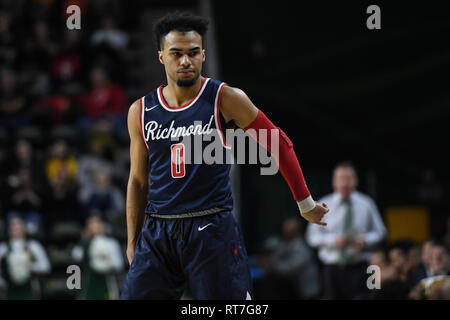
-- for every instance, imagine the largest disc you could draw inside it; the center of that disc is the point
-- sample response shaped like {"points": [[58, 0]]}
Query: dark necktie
{"points": [[348, 224]]}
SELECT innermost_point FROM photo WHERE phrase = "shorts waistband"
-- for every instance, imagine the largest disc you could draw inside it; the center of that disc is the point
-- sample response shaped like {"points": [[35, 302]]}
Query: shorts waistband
{"points": [[185, 215]]}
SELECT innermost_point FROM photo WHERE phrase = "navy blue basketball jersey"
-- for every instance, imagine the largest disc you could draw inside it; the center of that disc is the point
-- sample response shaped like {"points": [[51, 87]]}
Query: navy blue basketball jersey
{"points": [[178, 139]]}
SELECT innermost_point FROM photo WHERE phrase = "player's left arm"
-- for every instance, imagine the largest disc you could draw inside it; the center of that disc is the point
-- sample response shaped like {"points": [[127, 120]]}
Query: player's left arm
{"points": [[235, 105]]}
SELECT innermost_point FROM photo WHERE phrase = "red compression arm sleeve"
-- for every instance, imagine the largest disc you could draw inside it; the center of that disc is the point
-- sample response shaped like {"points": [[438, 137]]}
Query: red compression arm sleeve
{"points": [[287, 161]]}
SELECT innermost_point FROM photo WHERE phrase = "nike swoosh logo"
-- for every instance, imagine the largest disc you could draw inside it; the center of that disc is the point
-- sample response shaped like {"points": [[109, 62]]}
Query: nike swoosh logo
{"points": [[201, 228], [148, 109]]}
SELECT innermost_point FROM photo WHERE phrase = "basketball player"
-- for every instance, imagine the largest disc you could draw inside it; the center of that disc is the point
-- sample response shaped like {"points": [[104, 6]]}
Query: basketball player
{"points": [[181, 231]]}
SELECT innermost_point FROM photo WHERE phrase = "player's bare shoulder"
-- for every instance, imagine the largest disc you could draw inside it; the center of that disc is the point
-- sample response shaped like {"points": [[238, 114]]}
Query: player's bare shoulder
{"points": [[232, 96], [138, 146], [134, 118], [236, 105], [135, 109]]}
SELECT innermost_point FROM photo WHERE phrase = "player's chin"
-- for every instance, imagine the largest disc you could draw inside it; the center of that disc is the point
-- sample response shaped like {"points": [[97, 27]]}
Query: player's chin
{"points": [[186, 79]]}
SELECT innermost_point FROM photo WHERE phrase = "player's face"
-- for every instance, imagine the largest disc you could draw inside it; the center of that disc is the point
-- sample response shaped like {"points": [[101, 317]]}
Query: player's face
{"points": [[182, 55], [344, 181]]}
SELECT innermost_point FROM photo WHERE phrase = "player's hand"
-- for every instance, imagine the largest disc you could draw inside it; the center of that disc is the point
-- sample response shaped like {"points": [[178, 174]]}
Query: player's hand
{"points": [[316, 214]]}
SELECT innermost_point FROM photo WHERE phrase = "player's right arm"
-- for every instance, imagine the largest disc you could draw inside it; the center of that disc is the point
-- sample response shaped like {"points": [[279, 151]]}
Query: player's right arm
{"points": [[137, 187]]}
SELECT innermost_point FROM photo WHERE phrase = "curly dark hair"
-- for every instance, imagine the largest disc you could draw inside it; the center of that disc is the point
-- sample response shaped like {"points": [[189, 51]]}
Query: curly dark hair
{"points": [[179, 21]]}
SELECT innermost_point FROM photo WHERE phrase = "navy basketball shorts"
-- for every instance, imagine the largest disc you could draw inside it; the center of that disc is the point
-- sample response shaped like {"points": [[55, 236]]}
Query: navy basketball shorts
{"points": [[205, 254]]}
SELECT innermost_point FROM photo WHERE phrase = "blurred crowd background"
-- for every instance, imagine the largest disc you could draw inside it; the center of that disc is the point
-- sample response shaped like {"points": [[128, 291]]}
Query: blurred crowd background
{"points": [[339, 91]]}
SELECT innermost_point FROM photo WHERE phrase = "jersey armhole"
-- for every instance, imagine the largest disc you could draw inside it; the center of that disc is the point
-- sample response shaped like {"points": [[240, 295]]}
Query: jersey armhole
{"points": [[217, 115]]}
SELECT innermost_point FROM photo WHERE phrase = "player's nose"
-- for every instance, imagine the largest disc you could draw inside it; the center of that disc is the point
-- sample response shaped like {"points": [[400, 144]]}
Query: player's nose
{"points": [[185, 61]]}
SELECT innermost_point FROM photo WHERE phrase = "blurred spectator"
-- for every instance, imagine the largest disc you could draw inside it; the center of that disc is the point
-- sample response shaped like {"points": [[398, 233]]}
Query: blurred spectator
{"points": [[67, 64], [61, 202], [104, 98], [394, 270], [432, 288], [405, 259], [388, 272], [26, 200], [56, 109], [398, 259], [22, 261], [45, 80], [108, 45], [42, 8], [102, 260], [38, 47], [97, 9], [354, 225], [13, 110], [60, 159], [106, 102], [423, 269], [413, 259], [25, 156], [290, 271], [98, 157], [8, 43], [121, 164], [440, 259], [104, 198], [435, 285], [110, 35], [440, 289]]}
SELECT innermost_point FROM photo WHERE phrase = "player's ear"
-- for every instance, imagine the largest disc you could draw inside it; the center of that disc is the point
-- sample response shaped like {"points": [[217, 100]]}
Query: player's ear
{"points": [[160, 57], [203, 55]]}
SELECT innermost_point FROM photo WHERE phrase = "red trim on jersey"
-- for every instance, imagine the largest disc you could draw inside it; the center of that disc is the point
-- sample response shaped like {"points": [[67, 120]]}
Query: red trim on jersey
{"points": [[184, 105], [287, 160], [141, 119], [218, 115]]}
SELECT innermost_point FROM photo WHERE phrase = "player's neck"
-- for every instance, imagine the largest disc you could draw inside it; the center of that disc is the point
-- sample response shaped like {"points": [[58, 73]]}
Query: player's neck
{"points": [[177, 96]]}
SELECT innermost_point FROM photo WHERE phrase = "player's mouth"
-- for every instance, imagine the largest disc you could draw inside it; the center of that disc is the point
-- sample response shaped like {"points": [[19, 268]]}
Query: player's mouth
{"points": [[186, 72]]}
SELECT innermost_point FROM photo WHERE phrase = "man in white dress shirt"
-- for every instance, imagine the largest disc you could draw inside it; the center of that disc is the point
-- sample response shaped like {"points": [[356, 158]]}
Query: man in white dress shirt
{"points": [[354, 226]]}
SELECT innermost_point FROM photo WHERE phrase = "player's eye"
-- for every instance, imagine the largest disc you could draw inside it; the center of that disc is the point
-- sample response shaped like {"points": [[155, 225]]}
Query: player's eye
{"points": [[193, 53], [176, 54]]}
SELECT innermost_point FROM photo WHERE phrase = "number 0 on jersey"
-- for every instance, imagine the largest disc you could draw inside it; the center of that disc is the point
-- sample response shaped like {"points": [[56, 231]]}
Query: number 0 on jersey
{"points": [[177, 159]]}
